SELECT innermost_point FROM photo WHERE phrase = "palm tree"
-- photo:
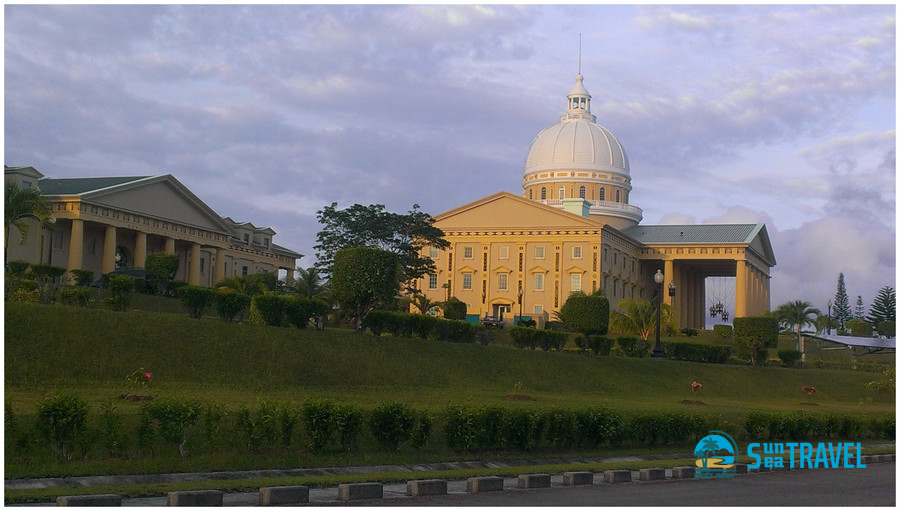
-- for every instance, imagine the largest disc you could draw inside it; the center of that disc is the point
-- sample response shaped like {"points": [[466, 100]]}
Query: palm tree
{"points": [[20, 205], [422, 303], [242, 285], [309, 283], [798, 313], [639, 317]]}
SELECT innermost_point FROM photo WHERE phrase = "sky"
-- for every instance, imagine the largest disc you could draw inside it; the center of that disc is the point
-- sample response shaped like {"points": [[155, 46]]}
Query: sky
{"points": [[782, 114]]}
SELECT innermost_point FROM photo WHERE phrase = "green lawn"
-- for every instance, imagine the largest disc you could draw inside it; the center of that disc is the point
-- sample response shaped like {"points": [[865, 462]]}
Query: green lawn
{"points": [[91, 351]]}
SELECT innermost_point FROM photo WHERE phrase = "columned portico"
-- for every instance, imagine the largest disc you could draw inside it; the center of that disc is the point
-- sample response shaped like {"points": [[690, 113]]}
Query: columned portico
{"points": [[194, 265]]}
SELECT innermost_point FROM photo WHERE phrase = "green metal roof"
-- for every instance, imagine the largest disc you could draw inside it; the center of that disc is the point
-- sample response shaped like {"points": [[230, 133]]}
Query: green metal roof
{"points": [[710, 233], [81, 185]]}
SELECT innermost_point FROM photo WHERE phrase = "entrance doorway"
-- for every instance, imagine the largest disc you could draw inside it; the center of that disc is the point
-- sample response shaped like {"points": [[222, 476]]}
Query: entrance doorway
{"points": [[501, 309]]}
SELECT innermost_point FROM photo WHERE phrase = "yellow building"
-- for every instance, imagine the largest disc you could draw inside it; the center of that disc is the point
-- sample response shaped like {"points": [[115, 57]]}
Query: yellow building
{"points": [[107, 223], [573, 229]]}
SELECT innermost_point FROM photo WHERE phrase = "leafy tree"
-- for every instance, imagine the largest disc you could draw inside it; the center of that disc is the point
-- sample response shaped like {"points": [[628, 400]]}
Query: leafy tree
{"points": [[161, 269], [586, 314], [841, 303], [20, 205], [798, 313], [364, 278], [371, 226], [884, 306], [638, 317], [860, 311]]}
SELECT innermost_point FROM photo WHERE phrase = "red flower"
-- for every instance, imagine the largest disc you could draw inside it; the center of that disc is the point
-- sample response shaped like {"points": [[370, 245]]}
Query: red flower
{"points": [[696, 386]]}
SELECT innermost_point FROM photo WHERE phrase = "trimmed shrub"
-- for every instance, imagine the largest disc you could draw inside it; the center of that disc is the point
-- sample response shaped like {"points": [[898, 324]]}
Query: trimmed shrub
{"points": [[299, 310], [392, 424], [75, 296], [525, 337], [754, 335], [17, 268], [270, 308], [690, 332], [454, 308], [82, 278], [230, 304], [459, 428], [422, 431], [121, 289], [174, 419], [451, 330], [318, 419], [196, 299], [61, 420], [600, 345], [586, 314], [789, 358], [348, 422], [887, 328], [161, 269], [697, 352], [46, 271], [723, 331], [634, 347]]}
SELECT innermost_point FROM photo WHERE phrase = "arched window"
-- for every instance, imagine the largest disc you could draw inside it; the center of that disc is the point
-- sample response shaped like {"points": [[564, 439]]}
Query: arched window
{"points": [[603, 194], [544, 193], [562, 193], [530, 194], [582, 192], [617, 195]]}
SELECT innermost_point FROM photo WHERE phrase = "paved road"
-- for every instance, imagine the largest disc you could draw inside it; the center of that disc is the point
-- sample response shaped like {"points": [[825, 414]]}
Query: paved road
{"points": [[875, 485]]}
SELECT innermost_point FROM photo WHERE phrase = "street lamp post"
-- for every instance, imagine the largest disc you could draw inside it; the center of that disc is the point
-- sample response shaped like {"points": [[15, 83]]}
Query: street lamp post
{"points": [[521, 292], [828, 325], [658, 278]]}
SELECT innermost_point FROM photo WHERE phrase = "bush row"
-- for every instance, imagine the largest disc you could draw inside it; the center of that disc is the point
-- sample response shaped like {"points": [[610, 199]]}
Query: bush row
{"points": [[526, 337], [697, 352], [423, 326], [283, 310], [801, 426]]}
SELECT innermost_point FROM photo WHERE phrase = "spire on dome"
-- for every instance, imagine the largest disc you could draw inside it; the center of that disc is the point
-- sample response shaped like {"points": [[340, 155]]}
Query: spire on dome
{"points": [[579, 102]]}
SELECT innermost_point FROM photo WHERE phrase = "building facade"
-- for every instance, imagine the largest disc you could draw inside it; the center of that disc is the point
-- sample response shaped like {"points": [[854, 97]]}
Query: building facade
{"points": [[107, 223], [573, 229]]}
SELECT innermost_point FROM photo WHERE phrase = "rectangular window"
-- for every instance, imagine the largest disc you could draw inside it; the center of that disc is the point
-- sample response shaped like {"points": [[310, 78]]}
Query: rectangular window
{"points": [[502, 281], [504, 253], [467, 252], [266, 242], [246, 238], [576, 282], [538, 281], [538, 309], [433, 252], [432, 281], [538, 252], [576, 252], [467, 281], [243, 271], [202, 265]]}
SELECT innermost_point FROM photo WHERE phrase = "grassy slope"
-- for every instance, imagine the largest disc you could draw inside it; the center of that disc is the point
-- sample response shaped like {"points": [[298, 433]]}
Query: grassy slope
{"points": [[91, 351]]}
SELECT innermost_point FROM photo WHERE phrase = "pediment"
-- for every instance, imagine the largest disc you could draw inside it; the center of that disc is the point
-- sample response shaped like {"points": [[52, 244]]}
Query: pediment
{"points": [[504, 210], [162, 197], [502, 269], [575, 269], [538, 269], [467, 269]]}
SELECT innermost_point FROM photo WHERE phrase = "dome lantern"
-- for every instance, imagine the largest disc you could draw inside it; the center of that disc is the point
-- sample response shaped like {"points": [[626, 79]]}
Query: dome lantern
{"points": [[579, 102]]}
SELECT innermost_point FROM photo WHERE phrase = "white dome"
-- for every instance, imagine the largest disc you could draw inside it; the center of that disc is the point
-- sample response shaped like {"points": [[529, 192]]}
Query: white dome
{"points": [[577, 144]]}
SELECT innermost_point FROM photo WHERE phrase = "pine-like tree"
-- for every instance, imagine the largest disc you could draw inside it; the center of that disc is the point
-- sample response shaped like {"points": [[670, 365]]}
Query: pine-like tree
{"points": [[860, 311], [841, 303], [884, 306]]}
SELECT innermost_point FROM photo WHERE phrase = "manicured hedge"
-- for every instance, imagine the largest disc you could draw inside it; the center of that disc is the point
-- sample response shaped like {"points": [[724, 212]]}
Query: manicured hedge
{"points": [[61, 424], [423, 326], [722, 331], [526, 337], [697, 352]]}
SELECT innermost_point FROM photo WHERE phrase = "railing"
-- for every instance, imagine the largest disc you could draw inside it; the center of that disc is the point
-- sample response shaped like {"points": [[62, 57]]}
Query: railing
{"points": [[599, 204]]}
